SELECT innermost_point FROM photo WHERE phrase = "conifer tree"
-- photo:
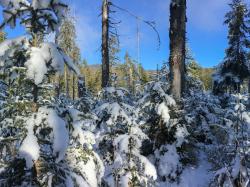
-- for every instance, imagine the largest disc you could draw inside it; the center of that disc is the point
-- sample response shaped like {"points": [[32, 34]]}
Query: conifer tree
{"points": [[130, 73], [114, 49], [143, 74], [2, 36], [120, 141], [45, 146], [234, 68], [66, 39]]}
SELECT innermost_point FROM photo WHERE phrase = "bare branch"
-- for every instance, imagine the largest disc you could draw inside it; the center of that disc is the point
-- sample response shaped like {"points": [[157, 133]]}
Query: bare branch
{"points": [[149, 23]]}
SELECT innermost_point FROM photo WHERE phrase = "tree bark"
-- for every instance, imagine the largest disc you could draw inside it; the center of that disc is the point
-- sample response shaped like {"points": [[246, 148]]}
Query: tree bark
{"points": [[66, 79], [81, 87], [105, 47], [73, 87], [177, 37], [35, 43]]}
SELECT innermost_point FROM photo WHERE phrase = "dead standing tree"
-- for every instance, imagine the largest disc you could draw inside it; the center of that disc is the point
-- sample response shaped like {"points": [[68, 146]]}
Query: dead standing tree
{"points": [[105, 43], [106, 31], [177, 37]]}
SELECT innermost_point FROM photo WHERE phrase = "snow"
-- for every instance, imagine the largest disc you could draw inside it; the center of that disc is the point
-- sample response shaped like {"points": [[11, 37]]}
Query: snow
{"points": [[135, 130], [29, 149], [80, 181], [48, 10], [121, 143], [158, 88], [61, 136], [2, 169], [84, 137], [42, 59], [162, 110], [115, 110], [90, 174], [69, 182], [38, 4], [149, 168], [126, 118], [50, 180], [125, 179], [45, 58], [5, 45], [236, 167], [191, 176], [15, 3], [168, 162], [91, 170], [122, 146], [36, 66], [181, 134], [71, 65], [246, 117]]}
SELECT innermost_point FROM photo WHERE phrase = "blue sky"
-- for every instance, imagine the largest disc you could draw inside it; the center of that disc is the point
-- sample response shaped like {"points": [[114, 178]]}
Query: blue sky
{"points": [[205, 30]]}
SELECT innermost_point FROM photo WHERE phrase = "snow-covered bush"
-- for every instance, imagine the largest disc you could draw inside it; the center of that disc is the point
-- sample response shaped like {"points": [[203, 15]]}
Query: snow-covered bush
{"points": [[235, 170], [85, 164], [129, 166], [160, 120], [152, 105], [193, 83], [220, 125], [3, 93], [120, 141]]}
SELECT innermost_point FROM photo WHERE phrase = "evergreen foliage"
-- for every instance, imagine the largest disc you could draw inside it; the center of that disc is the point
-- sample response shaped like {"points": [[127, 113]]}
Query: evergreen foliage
{"points": [[235, 67]]}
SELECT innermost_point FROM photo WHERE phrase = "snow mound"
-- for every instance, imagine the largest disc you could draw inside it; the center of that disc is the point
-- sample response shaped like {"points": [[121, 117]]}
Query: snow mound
{"points": [[60, 133], [29, 149]]}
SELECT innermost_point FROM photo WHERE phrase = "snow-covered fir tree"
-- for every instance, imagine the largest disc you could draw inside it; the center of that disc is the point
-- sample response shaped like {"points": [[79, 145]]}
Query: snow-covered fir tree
{"points": [[235, 66], [160, 118], [120, 141], [42, 142]]}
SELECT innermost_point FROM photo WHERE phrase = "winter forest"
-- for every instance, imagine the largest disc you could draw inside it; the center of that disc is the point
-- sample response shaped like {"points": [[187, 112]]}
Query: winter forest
{"points": [[65, 122]]}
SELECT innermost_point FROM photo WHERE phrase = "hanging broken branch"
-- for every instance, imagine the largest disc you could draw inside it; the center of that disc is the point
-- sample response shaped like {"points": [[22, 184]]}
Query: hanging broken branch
{"points": [[151, 24]]}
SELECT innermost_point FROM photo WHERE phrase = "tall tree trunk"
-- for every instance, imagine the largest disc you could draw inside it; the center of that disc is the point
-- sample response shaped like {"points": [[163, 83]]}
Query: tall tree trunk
{"points": [[81, 87], [35, 43], [177, 37], [66, 79], [105, 47], [73, 87], [57, 84], [248, 93]]}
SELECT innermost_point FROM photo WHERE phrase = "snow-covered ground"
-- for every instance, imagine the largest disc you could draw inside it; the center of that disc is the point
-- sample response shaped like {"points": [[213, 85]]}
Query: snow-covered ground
{"points": [[191, 176]]}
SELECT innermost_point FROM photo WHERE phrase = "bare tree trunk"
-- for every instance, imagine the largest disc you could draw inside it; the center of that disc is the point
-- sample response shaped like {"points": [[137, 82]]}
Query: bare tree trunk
{"points": [[73, 87], [35, 43], [57, 86], [81, 87], [105, 47], [66, 79], [248, 93], [177, 36]]}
